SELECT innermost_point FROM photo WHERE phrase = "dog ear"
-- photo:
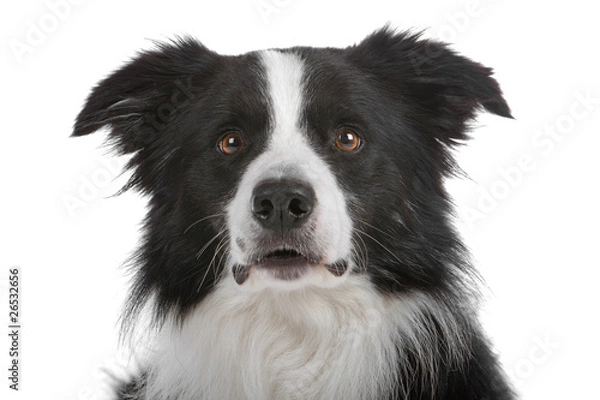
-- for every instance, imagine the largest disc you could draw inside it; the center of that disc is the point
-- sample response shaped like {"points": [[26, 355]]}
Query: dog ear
{"points": [[445, 88], [137, 101], [152, 79]]}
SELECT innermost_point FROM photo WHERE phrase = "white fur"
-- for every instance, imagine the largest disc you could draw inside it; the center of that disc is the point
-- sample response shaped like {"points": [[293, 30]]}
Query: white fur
{"points": [[312, 343], [289, 154]]}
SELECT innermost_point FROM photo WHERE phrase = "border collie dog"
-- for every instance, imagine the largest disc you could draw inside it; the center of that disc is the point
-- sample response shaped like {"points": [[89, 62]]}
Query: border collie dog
{"points": [[298, 242]]}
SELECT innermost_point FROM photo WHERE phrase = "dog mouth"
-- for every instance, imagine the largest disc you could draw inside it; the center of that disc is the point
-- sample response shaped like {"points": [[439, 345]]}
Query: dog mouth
{"points": [[285, 264]]}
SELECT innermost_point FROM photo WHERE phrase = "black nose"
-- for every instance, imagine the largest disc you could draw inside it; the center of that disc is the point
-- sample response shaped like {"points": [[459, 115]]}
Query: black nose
{"points": [[282, 205]]}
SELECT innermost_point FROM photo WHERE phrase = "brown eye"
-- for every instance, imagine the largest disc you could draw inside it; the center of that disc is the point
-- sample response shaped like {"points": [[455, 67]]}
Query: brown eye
{"points": [[347, 140], [231, 143]]}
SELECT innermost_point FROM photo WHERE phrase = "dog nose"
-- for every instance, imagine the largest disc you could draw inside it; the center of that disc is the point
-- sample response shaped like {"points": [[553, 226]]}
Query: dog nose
{"points": [[282, 205]]}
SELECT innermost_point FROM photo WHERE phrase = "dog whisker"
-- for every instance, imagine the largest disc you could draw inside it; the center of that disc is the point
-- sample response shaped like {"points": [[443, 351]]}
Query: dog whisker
{"points": [[202, 220], [208, 243], [224, 241]]}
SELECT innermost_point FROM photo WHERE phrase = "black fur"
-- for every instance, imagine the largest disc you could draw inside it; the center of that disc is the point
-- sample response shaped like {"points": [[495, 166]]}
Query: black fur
{"points": [[410, 99]]}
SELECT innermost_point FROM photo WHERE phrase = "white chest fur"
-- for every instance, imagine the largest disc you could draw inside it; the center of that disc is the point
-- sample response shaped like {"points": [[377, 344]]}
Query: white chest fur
{"points": [[316, 343]]}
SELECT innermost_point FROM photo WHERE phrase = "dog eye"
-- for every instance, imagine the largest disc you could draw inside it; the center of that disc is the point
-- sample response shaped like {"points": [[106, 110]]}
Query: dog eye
{"points": [[347, 140], [231, 143]]}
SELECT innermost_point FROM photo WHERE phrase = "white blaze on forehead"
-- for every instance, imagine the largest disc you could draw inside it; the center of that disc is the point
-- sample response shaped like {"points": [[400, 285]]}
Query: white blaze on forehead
{"points": [[288, 145], [284, 73]]}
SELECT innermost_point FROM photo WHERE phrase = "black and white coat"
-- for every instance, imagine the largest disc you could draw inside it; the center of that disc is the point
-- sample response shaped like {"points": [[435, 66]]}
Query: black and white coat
{"points": [[367, 293]]}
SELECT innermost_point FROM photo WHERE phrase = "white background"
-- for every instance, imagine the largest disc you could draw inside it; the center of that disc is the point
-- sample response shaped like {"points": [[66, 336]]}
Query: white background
{"points": [[532, 226]]}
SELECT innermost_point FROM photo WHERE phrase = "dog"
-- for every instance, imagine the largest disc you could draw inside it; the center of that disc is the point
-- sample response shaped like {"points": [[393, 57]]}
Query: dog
{"points": [[298, 242]]}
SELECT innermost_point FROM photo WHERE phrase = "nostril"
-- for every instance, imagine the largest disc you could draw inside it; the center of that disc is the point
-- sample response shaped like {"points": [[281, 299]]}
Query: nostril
{"points": [[263, 209], [298, 208]]}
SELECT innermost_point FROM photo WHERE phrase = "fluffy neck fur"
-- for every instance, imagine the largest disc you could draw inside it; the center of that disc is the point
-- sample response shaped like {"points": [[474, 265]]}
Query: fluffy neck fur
{"points": [[341, 343]]}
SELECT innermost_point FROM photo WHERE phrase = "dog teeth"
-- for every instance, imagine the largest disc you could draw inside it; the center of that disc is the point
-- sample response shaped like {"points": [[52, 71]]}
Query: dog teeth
{"points": [[337, 268], [241, 273]]}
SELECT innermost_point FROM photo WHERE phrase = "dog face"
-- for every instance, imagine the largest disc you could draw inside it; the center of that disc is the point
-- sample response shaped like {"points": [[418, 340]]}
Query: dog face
{"points": [[283, 169], [288, 222]]}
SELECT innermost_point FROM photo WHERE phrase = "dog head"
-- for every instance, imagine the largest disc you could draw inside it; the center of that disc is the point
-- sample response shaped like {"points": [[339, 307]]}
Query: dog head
{"points": [[282, 169]]}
